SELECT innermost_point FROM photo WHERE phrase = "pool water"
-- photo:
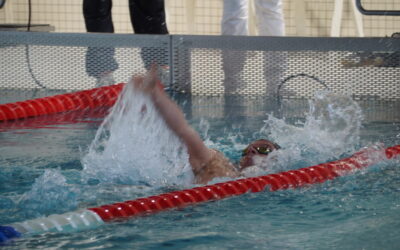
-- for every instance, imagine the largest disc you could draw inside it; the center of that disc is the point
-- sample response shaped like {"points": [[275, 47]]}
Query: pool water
{"points": [[60, 163]]}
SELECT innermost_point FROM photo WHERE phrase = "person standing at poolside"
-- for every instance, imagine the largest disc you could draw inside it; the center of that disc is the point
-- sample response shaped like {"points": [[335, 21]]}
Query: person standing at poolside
{"points": [[206, 163], [269, 22], [147, 17]]}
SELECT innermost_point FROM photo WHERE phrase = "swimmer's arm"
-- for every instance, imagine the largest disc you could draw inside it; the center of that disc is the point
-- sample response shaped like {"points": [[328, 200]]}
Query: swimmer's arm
{"points": [[199, 154]]}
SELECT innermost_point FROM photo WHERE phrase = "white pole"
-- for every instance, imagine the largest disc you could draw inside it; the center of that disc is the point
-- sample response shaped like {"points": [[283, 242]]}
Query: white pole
{"points": [[300, 17], [337, 18], [358, 19], [252, 20], [190, 10]]}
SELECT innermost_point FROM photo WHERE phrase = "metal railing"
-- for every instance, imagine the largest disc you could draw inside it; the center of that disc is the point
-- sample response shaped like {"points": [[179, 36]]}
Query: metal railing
{"points": [[376, 12]]}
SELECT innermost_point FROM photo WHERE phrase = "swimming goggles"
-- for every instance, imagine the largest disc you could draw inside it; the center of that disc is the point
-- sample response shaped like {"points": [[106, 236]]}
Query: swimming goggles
{"points": [[261, 150]]}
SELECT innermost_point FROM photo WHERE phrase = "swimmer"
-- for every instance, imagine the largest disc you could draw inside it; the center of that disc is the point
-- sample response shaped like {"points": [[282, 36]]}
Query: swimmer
{"points": [[206, 163]]}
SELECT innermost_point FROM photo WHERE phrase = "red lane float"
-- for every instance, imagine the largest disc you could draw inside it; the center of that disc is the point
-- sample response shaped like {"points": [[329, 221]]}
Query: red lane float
{"points": [[92, 98], [94, 115], [284, 180]]}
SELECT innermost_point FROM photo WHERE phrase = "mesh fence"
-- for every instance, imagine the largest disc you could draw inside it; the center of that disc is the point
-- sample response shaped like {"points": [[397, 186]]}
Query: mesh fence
{"points": [[368, 68], [289, 67], [211, 107], [215, 70], [76, 61]]}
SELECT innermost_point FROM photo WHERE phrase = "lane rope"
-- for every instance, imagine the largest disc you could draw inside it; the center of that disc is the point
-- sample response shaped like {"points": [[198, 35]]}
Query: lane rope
{"points": [[96, 216], [98, 97]]}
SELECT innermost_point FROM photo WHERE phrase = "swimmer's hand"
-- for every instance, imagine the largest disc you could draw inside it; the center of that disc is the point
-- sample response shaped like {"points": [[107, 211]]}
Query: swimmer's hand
{"points": [[148, 82]]}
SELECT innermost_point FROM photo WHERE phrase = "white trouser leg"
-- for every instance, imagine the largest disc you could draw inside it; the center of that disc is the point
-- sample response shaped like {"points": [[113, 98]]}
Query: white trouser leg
{"points": [[234, 22], [270, 22], [235, 18], [269, 14]]}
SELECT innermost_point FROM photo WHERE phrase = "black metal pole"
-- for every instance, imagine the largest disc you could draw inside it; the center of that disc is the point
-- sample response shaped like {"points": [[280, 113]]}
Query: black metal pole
{"points": [[376, 12], [2, 2]]}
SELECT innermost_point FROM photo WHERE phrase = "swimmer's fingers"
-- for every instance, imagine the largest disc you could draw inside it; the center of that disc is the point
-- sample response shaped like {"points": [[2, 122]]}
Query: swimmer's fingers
{"points": [[137, 82], [151, 79], [147, 83], [155, 77]]}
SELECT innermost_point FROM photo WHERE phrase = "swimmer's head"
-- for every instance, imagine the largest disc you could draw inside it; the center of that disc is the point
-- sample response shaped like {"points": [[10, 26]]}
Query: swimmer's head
{"points": [[258, 148]]}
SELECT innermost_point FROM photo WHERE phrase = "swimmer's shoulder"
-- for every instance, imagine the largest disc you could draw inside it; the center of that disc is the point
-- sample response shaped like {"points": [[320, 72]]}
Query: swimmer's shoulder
{"points": [[217, 166]]}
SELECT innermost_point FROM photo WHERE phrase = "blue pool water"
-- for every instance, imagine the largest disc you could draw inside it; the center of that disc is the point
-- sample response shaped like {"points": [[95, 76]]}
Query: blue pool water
{"points": [[60, 163]]}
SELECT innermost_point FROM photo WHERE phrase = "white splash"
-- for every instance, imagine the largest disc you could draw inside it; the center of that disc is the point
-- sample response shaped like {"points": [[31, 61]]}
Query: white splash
{"points": [[134, 146], [331, 129], [50, 193]]}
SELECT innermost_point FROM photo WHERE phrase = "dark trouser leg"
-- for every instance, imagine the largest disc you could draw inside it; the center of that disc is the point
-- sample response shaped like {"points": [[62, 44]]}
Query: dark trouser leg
{"points": [[233, 62], [148, 17], [97, 14], [99, 61]]}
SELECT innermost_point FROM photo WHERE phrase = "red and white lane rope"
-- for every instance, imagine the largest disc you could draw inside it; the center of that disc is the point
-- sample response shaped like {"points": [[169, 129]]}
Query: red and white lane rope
{"points": [[92, 217]]}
